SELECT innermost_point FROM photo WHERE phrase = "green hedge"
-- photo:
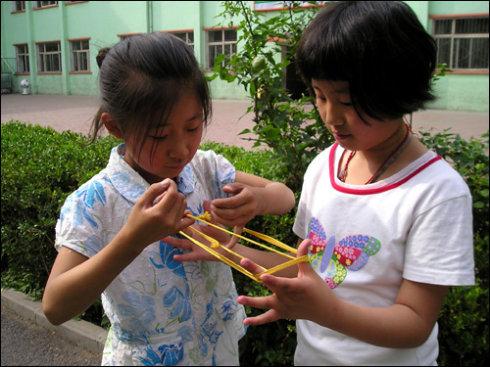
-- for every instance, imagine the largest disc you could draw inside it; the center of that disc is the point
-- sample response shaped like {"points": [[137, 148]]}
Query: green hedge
{"points": [[40, 167]]}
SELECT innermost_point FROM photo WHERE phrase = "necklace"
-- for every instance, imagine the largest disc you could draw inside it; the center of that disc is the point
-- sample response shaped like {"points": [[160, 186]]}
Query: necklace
{"points": [[342, 175]]}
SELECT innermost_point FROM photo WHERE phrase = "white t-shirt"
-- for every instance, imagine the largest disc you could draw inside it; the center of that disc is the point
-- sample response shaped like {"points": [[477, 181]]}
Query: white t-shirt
{"points": [[162, 312], [415, 225]]}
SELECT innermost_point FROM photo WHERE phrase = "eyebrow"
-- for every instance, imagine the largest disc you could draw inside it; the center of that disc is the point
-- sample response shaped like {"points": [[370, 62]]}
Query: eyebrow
{"points": [[197, 115], [338, 91]]}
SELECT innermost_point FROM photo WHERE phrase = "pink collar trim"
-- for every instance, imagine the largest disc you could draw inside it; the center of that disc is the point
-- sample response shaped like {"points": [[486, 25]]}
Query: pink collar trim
{"points": [[376, 190]]}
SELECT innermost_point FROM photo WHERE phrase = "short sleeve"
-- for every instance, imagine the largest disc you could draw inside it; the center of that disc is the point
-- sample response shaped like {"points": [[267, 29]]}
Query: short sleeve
{"points": [[440, 245], [217, 170], [79, 226], [300, 221], [225, 172]]}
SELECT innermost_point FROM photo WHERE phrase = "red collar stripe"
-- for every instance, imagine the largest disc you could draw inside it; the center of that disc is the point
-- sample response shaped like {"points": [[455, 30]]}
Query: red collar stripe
{"points": [[378, 189]]}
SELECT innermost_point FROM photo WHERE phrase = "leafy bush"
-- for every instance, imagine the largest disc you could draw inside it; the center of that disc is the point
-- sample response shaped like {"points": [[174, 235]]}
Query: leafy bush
{"points": [[463, 323], [40, 167]]}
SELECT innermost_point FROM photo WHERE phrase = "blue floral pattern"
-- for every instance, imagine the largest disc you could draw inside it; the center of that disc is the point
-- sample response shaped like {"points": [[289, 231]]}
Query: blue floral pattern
{"points": [[162, 312]]}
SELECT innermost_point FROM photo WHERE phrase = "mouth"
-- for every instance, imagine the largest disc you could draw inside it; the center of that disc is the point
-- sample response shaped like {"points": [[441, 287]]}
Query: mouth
{"points": [[339, 136]]}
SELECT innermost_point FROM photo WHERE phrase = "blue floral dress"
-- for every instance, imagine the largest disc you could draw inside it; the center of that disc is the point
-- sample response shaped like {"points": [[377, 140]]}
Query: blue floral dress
{"points": [[162, 312]]}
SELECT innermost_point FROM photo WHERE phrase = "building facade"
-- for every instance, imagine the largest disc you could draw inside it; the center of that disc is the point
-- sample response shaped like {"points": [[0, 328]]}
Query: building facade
{"points": [[54, 44]]}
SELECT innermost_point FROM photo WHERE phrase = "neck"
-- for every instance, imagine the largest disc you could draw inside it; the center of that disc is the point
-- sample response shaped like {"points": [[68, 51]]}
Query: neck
{"points": [[380, 151]]}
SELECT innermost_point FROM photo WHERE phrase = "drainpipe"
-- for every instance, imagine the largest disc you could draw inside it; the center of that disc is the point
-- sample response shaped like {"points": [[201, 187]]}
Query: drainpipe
{"points": [[32, 48], [65, 51], [149, 16]]}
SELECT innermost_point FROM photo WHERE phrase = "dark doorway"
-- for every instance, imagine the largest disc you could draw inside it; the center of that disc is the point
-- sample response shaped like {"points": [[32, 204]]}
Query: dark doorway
{"points": [[294, 84]]}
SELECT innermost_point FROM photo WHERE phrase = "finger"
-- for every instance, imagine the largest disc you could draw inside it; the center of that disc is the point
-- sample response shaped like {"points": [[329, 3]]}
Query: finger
{"points": [[266, 317], [277, 285], [191, 256], [304, 267], [184, 223], [251, 266], [233, 188], [155, 191], [228, 203], [263, 303], [220, 220], [181, 244], [167, 203], [234, 239]]}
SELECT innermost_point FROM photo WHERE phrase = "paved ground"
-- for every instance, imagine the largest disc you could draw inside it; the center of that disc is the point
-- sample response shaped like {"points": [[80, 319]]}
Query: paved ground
{"points": [[76, 112], [26, 344]]}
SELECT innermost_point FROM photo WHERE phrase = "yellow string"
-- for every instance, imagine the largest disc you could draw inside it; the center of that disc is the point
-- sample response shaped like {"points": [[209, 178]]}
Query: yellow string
{"points": [[220, 257], [216, 244], [248, 239]]}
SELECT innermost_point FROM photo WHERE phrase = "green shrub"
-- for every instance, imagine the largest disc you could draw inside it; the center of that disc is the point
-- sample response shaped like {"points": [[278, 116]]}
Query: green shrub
{"points": [[463, 323], [40, 167]]}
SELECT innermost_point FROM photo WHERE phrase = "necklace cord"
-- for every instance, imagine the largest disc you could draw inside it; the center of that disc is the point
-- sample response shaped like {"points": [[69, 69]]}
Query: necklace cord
{"points": [[342, 175]]}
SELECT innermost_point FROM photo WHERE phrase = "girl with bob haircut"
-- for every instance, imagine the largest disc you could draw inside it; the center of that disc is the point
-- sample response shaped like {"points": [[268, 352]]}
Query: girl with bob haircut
{"points": [[387, 223]]}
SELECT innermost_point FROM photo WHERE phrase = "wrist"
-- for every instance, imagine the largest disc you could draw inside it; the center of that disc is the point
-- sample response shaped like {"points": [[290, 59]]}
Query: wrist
{"points": [[127, 243]]}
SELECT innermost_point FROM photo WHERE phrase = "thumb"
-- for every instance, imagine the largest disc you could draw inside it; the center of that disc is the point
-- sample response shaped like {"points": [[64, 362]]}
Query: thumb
{"points": [[233, 188], [154, 193], [304, 267]]}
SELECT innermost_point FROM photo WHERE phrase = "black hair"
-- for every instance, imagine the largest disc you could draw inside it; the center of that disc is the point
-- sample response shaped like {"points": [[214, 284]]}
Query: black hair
{"points": [[142, 77], [379, 47], [101, 55]]}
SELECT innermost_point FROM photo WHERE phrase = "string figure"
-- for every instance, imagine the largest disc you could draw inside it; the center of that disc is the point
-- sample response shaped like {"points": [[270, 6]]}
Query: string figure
{"points": [[214, 245]]}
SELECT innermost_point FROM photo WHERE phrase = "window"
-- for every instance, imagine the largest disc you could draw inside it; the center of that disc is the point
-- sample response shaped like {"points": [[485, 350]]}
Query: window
{"points": [[462, 43], [187, 37], [44, 4], [19, 5], [127, 35], [49, 57], [221, 42], [80, 55], [22, 58]]}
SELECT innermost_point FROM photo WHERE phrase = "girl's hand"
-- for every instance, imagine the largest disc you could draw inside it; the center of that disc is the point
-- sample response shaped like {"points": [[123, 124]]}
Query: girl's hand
{"points": [[305, 297], [196, 253], [238, 209], [158, 213]]}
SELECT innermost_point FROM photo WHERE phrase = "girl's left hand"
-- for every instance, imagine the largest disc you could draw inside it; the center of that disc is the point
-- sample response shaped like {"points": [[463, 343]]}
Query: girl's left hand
{"points": [[305, 297], [238, 209], [194, 252]]}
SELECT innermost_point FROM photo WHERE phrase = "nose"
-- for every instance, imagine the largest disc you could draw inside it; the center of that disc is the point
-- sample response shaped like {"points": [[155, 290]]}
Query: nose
{"points": [[178, 151], [332, 114]]}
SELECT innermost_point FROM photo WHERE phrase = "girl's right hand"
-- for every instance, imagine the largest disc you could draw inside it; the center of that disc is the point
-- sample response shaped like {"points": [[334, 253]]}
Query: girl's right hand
{"points": [[158, 213]]}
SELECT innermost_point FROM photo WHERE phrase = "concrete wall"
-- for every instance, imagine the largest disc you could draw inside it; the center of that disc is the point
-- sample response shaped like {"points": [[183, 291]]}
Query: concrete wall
{"points": [[103, 21]]}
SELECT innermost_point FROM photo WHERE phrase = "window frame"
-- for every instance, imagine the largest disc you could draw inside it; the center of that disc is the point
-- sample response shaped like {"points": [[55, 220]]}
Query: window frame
{"points": [[15, 8], [24, 56], [123, 36], [40, 5], [76, 55], [43, 55], [223, 43], [453, 35], [186, 32]]}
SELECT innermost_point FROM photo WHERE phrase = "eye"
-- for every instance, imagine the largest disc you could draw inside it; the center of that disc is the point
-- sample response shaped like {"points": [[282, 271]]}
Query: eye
{"points": [[159, 138], [346, 104]]}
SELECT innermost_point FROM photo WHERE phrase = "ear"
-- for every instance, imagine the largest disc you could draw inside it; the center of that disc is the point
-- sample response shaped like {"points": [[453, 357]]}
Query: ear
{"points": [[111, 125]]}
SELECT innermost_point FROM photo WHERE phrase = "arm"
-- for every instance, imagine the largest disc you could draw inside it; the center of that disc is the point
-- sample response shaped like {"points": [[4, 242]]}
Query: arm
{"points": [[407, 323], [252, 195], [76, 282]]}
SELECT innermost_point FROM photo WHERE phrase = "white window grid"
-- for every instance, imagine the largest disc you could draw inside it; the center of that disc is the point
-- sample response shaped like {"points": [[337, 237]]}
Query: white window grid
{"points": [[22, 58], [461, 50], [227, 44], [80, 60], [49, 57], [187, 37], [43, 4]]}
